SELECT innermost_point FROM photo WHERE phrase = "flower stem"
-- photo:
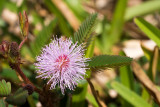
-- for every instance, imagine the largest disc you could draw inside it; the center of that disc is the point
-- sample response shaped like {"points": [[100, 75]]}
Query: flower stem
{"points": [[24, 40], [26, 80]]}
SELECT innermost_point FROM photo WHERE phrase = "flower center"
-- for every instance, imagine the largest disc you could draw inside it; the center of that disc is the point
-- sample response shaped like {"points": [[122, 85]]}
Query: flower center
{"points": [[63, 62]]}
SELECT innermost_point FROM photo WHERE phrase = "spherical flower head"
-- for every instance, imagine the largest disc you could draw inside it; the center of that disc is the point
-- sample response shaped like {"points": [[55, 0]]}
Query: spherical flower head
{"points": [[63, 63]]}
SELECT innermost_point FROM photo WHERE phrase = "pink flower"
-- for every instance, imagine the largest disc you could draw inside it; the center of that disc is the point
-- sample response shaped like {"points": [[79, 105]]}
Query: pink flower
{"points": [[63, 63]]}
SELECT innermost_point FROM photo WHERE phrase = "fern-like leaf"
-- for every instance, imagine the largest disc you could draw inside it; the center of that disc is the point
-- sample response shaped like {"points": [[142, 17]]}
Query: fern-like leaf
{"points": [[5, 88], [84, 31], [109, 61]]}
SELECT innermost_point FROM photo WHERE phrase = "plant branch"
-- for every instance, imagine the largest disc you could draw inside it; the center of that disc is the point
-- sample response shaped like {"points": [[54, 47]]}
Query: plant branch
{"points": [[94, 92], [21, 44], [146, 82], [26, 80]]}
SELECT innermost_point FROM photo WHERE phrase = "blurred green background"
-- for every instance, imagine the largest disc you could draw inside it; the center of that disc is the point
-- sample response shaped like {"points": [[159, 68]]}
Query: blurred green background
{"points": [[116, 33]]}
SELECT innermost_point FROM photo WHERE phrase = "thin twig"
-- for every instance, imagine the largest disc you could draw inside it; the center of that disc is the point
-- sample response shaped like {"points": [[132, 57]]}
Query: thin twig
{"points": [[26, 80], [147, 83], [94, 92], [21, 44]]}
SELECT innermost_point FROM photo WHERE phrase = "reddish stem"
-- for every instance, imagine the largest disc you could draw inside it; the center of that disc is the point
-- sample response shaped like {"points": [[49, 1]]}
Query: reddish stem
{"points": [[26, 80], [24, 40]]}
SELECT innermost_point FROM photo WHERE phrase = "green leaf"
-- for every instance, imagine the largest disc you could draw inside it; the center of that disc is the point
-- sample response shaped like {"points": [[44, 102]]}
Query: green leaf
{"points": [[78, 100], [5, 88], [79, 95], [11, 6], [43, 37], [126, 76], [109, 61], [145, 95], [77, 8], [18, 98], [2, 5], [147, 53], [3, 103], [142, 9], [36, 18], [89, 53], [113, 36], [31, 101], [129, 95], [90, 50], [85, 29], [127, 79], [9, 74], [151, 31], [91, 99]]}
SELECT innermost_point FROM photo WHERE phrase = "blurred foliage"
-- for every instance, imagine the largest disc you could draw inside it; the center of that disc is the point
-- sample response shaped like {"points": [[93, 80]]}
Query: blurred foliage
{"points": [[18, 98], [114, 26]]}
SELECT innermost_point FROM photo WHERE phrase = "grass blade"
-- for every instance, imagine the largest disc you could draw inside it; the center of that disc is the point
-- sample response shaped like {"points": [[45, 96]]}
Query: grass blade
{"points": [[142, 9], [116, 26], [63, 24], [151, 31], [129, 95]]}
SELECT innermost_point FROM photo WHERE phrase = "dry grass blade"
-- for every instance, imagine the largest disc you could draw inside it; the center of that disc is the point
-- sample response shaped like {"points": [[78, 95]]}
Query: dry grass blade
{"points": [[68, 14], [155, 61], [148, 84]]}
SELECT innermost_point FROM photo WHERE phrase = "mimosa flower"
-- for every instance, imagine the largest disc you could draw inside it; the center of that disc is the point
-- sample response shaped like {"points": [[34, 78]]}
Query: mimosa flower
{"points": [[63, 63]]}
